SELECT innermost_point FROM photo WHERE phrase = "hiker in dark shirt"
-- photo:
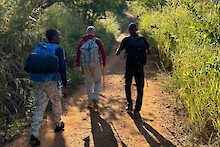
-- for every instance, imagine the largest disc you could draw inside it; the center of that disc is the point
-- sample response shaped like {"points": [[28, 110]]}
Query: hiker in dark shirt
{"points": [[135, 49]]}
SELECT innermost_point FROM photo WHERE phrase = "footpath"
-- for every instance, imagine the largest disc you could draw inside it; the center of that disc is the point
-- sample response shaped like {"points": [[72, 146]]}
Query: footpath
{"points": [[113, 126]]}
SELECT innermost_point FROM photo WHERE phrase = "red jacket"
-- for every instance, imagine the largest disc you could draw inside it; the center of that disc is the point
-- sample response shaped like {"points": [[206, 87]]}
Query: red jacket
{"points": [[101, 48]]}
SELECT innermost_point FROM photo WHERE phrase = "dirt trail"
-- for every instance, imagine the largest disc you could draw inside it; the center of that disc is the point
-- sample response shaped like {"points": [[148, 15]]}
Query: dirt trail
{"points": [[113, 127]]}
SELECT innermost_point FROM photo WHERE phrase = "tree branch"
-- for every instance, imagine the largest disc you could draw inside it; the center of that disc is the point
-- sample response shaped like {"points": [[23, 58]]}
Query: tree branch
{"points": [[50, 3]]}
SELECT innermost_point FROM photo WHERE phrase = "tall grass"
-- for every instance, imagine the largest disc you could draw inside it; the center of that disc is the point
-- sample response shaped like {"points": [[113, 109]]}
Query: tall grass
{"points": [[187, 38]]}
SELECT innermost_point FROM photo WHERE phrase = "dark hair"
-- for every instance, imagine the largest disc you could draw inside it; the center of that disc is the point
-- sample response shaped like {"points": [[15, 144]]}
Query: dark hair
{"points": [[132, 28], [51, 33]]}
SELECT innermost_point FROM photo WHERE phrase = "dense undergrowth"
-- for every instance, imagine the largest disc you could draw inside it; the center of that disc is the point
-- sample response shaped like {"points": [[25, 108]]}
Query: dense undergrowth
{"points": [[22, 25], [186, 36]]}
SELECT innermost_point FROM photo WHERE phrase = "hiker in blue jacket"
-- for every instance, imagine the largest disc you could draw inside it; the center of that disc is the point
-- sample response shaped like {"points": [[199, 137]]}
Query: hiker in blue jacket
{"points": [[47, 86]]}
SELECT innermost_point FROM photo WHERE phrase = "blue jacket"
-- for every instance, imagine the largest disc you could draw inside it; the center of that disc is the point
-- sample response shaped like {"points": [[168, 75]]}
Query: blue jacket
{"points": [[61, 74]]}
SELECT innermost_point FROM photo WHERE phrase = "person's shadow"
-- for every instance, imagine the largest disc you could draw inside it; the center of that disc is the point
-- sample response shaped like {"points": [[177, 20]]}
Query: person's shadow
{"points": [[103, 135], [144, 128], [59, 140]]}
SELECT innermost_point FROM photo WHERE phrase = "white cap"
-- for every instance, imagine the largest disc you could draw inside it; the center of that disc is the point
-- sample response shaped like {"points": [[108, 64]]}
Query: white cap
{"points": [[90, 29]]}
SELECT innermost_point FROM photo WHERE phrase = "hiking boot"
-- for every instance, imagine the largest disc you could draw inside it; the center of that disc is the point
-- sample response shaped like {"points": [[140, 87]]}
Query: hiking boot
{"points": [[95, 105], [34, 141], [59, 127], [89, 107], [137, 114], [129, 108]]}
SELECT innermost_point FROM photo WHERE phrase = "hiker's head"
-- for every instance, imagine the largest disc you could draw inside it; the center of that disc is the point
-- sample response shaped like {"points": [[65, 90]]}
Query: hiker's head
{"points": [[53, 36], [132, 28], [91, 30]]}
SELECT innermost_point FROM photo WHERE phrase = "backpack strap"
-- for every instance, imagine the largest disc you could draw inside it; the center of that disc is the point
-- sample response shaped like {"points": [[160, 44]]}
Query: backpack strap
{"points": [[94, 38]]}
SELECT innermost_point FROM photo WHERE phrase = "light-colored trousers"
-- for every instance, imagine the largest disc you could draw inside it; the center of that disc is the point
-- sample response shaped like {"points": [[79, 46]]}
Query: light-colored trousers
{"points": [[92, 81], [43, 93]]}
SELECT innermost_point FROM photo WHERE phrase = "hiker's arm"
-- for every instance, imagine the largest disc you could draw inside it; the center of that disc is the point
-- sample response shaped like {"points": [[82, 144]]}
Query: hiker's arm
{"points": [[101, 47], [146, 45], [122, 46], [78, 54], [62, 66]]}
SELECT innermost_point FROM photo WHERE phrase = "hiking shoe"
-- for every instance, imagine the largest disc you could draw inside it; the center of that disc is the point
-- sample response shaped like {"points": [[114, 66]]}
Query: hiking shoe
{"points": [[59, 127], [89, 107], [137, 115], [129, 108], [34, 141]]}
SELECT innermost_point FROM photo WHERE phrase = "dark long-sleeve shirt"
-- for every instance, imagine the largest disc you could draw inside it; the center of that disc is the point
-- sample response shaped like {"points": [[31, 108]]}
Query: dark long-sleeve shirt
{"points": [[126, 43], [135, 48]]}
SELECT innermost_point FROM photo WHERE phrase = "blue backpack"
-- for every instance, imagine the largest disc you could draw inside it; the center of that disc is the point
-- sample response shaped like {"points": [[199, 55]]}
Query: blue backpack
{"points": [[43, 60]]}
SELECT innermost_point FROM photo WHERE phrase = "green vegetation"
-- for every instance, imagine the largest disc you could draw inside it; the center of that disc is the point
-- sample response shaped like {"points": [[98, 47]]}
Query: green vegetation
{"points": [[184, 33], [186, 36], [22, 25]]}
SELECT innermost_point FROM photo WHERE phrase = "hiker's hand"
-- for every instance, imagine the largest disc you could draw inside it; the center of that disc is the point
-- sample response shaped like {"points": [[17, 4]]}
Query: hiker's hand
{"points": [[102, 66], [79, 68], [148, 52], [117, 52], [64, 92]]}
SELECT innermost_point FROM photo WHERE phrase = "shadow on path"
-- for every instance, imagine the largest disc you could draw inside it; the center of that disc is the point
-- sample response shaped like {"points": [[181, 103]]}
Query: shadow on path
{"points": [[145, 129], [59, 141], [103, 135]]}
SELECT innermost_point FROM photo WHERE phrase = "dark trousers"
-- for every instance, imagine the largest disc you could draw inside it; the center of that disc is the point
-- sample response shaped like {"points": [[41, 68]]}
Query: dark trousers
{"points": [[138, 73]]}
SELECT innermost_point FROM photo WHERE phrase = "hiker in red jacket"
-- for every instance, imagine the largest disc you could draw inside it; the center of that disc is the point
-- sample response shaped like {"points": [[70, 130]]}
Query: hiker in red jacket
{"points": [[88, 58]]}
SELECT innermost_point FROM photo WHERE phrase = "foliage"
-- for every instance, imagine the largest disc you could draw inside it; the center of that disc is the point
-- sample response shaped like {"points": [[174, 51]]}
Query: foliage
{"points": [[186, 35], [109, 26], [140, 7], [93, 9]]}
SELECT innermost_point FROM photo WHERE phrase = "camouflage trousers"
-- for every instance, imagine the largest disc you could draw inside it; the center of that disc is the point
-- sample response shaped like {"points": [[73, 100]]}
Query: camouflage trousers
{"points": [[92, 81], [43, 93]]}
